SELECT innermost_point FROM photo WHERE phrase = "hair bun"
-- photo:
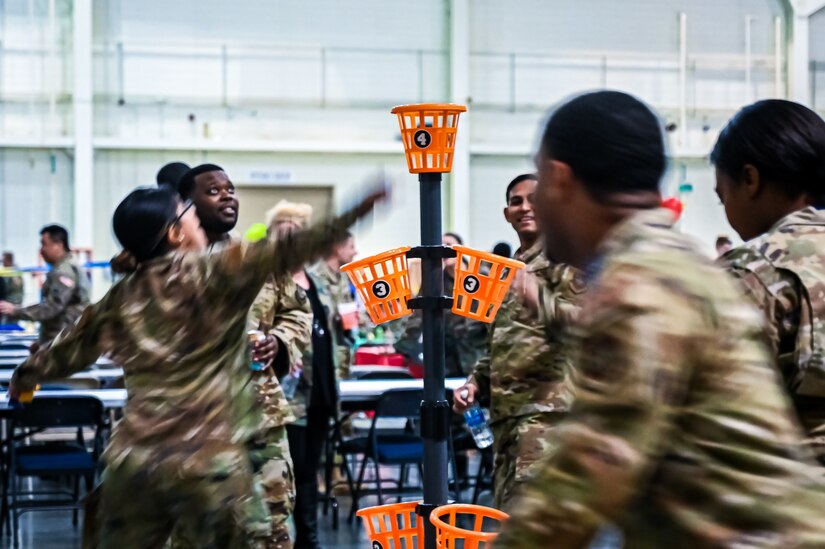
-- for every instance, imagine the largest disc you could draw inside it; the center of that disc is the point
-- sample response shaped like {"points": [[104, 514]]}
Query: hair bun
{"points": [[124, 262]]}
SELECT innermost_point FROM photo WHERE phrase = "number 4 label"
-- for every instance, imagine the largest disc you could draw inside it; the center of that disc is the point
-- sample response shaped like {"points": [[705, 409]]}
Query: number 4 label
{"points": [[422, 139]]}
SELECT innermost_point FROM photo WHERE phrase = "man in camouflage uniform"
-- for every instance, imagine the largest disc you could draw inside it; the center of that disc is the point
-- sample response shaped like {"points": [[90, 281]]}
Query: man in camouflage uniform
{"points": [[680, 432], [280, 311], [65, 292], [336, 284], [523, 377], [178, 458], [782, 269]]}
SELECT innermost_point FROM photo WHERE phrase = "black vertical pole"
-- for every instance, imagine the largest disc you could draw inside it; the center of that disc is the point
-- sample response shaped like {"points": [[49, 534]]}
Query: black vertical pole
{"points": [[432, 286]]}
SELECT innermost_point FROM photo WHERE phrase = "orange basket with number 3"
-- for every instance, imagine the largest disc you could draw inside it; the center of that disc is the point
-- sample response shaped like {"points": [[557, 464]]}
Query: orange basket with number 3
{"points": [[429, 133], [383, 283], [481, 282]]}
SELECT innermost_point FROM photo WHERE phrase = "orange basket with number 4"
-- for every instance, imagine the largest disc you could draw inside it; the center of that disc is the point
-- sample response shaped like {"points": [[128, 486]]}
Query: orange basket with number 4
{"points": [[481, 282], [429, 132], [394, 526], [484, 522], [383, 283]]}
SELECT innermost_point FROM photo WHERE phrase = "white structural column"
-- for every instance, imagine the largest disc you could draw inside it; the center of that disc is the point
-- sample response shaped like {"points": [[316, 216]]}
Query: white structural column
{"points": [[800, 56], [83, 235], [799, 83], [460, 93]]}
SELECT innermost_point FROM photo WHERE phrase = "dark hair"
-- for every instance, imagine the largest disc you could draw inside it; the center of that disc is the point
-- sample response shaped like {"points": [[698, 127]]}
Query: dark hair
{"points": [[722, 240], [57, 233], [141, 220], [783, 140], [171, 174], [503, 249], [457, 238], [187, 181], [519, 179], [612, 142]]}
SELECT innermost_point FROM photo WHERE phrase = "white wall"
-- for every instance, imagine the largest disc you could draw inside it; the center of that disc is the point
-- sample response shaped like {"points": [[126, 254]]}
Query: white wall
{"points": [[278, 75]]}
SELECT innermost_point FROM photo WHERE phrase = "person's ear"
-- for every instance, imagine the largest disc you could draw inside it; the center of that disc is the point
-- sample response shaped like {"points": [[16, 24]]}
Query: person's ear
{"points": [[752, 180], [507, 214], [175, 236], [562, 181]]}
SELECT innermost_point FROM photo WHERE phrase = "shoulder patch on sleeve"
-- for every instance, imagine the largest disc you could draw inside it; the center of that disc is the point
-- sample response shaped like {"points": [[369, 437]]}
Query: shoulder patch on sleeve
{"points": [[67, 281]]}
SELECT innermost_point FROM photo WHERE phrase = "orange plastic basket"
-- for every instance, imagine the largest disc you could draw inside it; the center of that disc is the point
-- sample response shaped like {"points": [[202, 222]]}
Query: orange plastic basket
{"points": [[383, 283], [481, 282], [429, 132], [485, 523], [388, 525]]}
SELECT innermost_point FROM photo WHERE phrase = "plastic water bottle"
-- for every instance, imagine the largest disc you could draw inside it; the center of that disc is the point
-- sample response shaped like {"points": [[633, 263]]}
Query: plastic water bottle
{"points": [[256, 336], [477, 422], [289, 383]]}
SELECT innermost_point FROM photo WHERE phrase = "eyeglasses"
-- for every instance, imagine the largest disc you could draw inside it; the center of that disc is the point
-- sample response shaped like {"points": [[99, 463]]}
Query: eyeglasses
{"points": [[186, 207]]}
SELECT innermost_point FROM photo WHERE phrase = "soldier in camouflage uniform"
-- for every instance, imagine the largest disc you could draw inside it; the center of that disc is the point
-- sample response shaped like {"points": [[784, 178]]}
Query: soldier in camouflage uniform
{"points": [[680, 431], [177, 326], [11, 283], [336, 284], [770, 166], [65, 292], [523, 377], [281, 311]]}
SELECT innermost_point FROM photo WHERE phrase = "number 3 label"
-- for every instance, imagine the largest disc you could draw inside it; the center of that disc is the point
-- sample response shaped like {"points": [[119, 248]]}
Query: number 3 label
{"points": [[422, 139], [471, 284], [381, 289]]}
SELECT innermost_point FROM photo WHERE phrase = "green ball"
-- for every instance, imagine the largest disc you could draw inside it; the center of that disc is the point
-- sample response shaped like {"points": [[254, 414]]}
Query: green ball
{"points": [[255, 233]]}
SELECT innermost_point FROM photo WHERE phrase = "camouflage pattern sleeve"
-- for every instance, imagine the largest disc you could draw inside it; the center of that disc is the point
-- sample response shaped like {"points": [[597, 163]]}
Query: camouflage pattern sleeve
{"points": [[263, 307], [70, 352], [628, 382], [58, 292], [14, 290], [759, 295], [480, 377], [291, 323]]}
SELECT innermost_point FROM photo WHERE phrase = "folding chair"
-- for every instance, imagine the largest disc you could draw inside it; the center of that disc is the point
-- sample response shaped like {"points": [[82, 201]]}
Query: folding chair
{"points": [[74, 460]]}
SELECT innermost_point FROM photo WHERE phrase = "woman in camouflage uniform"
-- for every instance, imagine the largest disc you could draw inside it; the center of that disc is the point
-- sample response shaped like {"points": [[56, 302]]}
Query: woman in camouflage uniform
{"points": [[770, 176], [177, 326]]}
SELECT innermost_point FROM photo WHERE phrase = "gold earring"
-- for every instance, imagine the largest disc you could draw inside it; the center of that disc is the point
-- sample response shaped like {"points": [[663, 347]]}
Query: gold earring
{"points": [[180, 240]]}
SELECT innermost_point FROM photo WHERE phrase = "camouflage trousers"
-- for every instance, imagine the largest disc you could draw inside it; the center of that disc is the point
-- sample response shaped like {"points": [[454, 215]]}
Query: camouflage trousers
{"points": [[270, 457], [520, 445], [267, 516], [139, 509]]}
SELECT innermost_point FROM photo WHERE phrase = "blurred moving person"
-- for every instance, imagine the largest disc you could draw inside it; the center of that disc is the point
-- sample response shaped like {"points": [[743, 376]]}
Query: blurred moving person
{"points": [[64, 294], [503, 249], [523, 376], [177, 325], [770, 177], [171, 174], [680, 432]]}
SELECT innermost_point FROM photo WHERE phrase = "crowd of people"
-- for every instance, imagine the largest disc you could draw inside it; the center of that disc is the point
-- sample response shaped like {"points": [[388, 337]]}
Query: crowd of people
{"points": [[632, 381]]}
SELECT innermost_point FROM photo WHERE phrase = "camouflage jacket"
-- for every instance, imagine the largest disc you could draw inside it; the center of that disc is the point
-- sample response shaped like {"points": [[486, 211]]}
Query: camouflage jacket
{"points": [[14, 289], [335, 285], [524, 371], [65, 295], [465, 340], [783, 273], [680, 432], [177, 326], [281, 309]]}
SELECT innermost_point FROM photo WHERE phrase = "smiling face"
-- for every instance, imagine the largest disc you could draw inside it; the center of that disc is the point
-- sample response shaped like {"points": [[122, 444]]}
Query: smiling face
{"points": [[519, 211], [217, 205]]}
